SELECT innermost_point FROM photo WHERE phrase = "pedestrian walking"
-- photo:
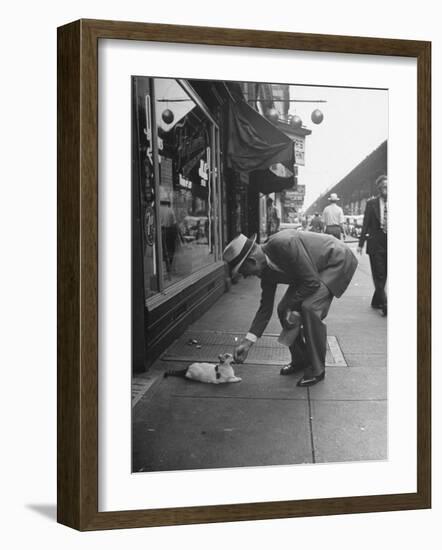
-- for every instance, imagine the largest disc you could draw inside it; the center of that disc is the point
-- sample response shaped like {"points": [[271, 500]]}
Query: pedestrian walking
{"points": [[374, 232], [316, 268], [333, 217], [169, 232], [273, 220], [317, 225]]}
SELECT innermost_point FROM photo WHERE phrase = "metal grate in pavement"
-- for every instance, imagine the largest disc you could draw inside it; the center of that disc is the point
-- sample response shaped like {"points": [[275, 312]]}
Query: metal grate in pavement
{"points": [[266, 351], [334, 352]]}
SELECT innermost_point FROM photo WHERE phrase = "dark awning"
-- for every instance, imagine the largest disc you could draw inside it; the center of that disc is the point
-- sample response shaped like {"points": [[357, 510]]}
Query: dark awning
{"points": [[265, 181], [254, 143]]}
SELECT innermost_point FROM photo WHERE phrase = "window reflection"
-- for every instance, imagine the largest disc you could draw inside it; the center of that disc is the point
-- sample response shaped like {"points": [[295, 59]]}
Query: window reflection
{"points": [[185, 184]]}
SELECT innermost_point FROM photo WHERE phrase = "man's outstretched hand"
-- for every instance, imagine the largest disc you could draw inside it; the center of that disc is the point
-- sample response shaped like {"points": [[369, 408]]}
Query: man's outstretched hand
{"points": [[241, 351]]}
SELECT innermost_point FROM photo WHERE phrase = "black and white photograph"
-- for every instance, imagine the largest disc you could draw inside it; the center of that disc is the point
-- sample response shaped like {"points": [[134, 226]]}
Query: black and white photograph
{"points": [[196, 216], [259, 274]]}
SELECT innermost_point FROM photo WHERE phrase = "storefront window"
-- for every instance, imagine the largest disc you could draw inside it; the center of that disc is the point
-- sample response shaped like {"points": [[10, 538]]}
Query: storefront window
{"points": [[186, 189]]}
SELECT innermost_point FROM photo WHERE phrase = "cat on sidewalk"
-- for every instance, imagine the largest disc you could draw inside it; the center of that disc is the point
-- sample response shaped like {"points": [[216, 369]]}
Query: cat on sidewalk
{"points": [[209, 373]]}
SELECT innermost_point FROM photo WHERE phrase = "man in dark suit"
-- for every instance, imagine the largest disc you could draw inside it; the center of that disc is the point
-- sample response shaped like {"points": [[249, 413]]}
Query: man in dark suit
{"points": [[374, 231], [316, 267]]}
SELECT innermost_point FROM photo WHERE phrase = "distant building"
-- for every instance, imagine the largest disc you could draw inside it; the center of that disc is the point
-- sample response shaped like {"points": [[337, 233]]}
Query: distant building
{"points": [[357, 186]]}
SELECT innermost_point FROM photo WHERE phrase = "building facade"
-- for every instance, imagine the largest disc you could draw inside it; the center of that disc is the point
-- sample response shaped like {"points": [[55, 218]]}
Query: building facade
{"points": [[273, 102], [201, 159]]}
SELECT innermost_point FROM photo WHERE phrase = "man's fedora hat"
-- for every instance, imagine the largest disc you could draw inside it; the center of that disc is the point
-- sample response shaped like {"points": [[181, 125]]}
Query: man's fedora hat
{"points": [[237, 251], [333, 197]]}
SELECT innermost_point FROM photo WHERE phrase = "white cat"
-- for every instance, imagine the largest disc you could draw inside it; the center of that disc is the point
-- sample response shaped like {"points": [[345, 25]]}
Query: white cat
{"points": [[209, 373]]}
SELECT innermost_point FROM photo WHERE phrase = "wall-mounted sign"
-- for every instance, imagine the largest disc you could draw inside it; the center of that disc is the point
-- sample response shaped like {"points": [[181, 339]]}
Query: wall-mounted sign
{"points": [[299, 145], [294, 195]]}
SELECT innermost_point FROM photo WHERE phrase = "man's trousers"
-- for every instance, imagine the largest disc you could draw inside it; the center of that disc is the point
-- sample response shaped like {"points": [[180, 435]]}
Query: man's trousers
{"points": [[378, 264], [334, 230], [310, 346]]}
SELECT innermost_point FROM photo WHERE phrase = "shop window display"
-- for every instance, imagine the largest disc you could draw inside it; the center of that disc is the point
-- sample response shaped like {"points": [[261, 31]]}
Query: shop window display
{"points": [[186, 187]]}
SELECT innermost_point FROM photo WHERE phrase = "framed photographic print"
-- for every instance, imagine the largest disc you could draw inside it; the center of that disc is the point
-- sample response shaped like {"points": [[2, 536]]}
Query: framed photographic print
{"points": [[226, 202]]}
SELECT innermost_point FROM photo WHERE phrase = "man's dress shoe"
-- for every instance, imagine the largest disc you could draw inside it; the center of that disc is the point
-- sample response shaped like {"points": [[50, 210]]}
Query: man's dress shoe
{"points": [[291, 369], [305, 382]]}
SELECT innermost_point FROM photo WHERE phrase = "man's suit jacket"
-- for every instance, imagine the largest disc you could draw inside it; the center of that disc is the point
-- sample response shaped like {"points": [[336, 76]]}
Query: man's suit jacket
{"points": [[304, 259], [371, 228]]}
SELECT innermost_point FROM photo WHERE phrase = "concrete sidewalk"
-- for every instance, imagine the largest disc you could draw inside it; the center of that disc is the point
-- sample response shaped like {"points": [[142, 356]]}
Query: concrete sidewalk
{"points": [[266, 419]]}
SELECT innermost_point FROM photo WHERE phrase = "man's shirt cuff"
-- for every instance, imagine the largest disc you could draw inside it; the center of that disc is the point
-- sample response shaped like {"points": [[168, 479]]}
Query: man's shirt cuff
{"points": [[252, 337]]}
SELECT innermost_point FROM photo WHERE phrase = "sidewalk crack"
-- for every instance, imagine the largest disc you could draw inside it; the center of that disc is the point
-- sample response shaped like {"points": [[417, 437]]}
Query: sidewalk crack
{"points": [[310, 420]]}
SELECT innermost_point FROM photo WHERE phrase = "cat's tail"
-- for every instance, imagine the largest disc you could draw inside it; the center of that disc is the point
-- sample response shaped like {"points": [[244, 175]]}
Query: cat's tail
{"points": [[180, 373]]}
